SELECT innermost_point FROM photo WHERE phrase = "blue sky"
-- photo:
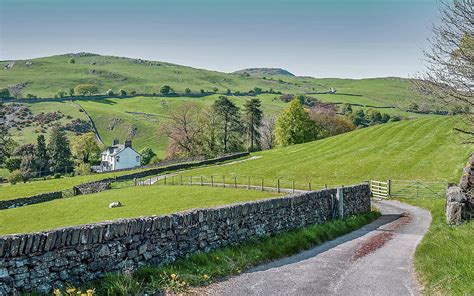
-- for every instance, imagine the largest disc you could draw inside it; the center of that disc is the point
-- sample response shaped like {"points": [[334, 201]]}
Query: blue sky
{"points": [[321, 38]]}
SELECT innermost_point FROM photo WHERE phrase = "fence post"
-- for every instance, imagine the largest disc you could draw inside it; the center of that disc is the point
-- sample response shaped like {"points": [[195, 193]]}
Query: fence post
{"points": [[212, 181], [135, 181], [201, 182], [340, 201], [389, 187], [309, 186], [235, 182], [262, 184], [278, 185], [181, 179], [248, 184], [223, 181], [293, 187], [325, 186], [191, 180], [165, 179]]}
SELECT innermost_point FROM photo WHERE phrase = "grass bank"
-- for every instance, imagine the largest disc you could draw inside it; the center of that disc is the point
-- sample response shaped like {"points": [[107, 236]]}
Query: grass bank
{"points": [[137, 201], [206, 267], [422, 149], [445, 258]]}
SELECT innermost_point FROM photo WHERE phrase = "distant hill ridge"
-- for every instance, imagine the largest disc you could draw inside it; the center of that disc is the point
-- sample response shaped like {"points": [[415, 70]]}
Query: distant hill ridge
{"points": [[265, 71]]}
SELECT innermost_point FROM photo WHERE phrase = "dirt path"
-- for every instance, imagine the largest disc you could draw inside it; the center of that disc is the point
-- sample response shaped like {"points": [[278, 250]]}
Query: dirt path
{"points": [[374, 260]]}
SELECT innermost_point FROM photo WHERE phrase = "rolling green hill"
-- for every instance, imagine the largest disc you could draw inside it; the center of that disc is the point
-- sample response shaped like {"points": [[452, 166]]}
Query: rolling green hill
{"points": [[422, 149], [264, 72], [44, 77]]}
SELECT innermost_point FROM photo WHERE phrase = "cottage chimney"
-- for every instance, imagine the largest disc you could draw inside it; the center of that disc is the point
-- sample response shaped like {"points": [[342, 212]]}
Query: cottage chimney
{"points": [[128, 143], [115, 142]]}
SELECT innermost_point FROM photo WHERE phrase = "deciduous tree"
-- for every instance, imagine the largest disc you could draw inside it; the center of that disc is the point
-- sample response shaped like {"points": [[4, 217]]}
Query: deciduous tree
{"points": [[294, 125]]}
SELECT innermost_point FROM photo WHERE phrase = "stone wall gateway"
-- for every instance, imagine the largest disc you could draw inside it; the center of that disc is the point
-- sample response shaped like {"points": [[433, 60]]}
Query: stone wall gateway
{"points": [[79, 254]]}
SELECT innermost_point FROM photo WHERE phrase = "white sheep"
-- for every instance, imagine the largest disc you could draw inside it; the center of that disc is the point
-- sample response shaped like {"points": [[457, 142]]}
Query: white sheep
{"points": [[115, 204]]}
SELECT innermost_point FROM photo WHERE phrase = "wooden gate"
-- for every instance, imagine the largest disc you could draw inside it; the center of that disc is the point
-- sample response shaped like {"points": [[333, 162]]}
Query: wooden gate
{"points": [[380, 189]]}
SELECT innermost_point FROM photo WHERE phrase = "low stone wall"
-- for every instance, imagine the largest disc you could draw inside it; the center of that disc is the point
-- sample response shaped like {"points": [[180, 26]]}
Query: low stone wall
{"points": [[460, 200], [24, 201], [93, 187], [46, 260]]}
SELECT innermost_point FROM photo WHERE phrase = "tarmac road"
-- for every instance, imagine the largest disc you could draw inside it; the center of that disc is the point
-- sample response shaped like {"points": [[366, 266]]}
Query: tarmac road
{"points": [[374, 260]]}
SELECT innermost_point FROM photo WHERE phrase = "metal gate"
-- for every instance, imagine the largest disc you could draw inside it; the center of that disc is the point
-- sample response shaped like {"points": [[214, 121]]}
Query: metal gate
{"points": [[380, 189], [408, 188]]}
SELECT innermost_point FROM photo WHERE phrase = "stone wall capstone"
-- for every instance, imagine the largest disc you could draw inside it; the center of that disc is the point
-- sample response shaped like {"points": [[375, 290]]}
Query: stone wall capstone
{"points": [[46, 260]]}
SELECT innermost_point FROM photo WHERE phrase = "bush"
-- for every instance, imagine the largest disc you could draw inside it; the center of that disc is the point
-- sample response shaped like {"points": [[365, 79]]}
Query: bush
{"points": [[187, 90], [147, 154], [86, 89], [155, 159], [82, 169], [166, 89], [15, 177], [122, 92], [72, 61], [57, 176], [13, 163], [110, 93]]}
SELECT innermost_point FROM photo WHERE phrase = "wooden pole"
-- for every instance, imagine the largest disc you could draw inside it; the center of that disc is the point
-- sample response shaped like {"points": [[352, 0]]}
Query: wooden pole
{"points": [[191, 180], [165, 179], [235, 182], [248, 184], [181, 179], [293, 187], [201, 181], [309, 186], [262, 184], [223, 181], [212, 181], [278, 185]]}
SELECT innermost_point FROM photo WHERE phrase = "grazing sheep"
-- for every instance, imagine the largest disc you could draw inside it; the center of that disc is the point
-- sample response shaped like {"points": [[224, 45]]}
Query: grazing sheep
{"points": [[115, 204]]}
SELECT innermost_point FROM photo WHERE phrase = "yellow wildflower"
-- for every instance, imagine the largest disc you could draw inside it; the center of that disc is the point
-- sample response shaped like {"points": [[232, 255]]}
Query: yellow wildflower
{"points": [[206, 277], [70, 291], [57, 292], [90, 292], [173, 276]]}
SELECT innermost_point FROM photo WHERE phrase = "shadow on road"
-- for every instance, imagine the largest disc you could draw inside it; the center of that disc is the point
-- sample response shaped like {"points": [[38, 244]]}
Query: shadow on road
{"points": [[381, 221]]}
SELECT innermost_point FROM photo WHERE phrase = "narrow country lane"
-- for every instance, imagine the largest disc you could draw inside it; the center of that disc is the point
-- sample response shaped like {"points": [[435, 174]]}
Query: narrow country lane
{"points": [[374, 260]]}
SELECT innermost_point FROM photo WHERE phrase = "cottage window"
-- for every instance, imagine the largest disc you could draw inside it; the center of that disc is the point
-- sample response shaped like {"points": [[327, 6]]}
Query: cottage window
{"points": [[138, 158], [118, 158]]}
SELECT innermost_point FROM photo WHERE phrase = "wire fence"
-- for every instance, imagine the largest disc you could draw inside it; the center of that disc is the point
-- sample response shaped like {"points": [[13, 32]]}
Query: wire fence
{"points": [[234, 181]]}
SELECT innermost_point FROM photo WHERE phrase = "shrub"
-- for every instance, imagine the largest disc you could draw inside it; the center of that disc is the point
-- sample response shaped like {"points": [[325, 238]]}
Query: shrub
{"points": [[72, 61], [57, 176], [155, 159], [147, 154], [13, 163], [82, 169], [187, 90], [110, 93], [166, 89], [122, 93], [15, 177], [86, 89]]}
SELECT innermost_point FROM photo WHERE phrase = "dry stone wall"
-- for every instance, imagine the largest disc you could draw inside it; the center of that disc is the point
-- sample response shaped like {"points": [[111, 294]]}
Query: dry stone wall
{"points": [[7, 204], [79, 254], [460, 200]]}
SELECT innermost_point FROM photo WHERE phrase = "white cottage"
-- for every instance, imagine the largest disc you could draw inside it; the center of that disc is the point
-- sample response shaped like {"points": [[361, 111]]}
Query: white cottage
{"points": [[119, 156]]}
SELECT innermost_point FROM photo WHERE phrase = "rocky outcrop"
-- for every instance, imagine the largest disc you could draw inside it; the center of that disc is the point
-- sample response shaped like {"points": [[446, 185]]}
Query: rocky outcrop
{"points": [[79, 254], [460, 200]]}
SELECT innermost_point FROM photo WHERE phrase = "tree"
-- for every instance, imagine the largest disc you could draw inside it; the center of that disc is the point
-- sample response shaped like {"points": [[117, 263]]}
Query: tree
{"points": [[230, 127], [252, 122], [72, 61], [449, 78], [166, 90], [215, 89], [86, 89], [267, 132], [4, 93], [187, 90], [61, 94], [228, 92], [27, 167], [328, 123], [147, 154], [184, 129], [41, 155], [58, 150], [110, 93], [122, 93], [7, 144], [71, 91], [294, 125], [85, 148], [358, 118]]}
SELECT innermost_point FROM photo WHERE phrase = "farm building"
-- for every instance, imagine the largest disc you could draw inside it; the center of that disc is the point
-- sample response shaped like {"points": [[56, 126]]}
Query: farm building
{"points": [[118, 157]]}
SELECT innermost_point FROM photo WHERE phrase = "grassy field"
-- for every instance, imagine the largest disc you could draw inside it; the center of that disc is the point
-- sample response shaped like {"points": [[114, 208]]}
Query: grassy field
{"points": [[445, 257], [137, 201], [424, 149]]}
